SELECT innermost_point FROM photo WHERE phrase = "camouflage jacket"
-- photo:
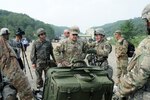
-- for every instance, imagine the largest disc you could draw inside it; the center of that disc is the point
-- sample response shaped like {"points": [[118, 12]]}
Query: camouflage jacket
{"points": [[138, 70], [41, 52], [11, 69], [103, 49], [121, 49], [69, 50]]}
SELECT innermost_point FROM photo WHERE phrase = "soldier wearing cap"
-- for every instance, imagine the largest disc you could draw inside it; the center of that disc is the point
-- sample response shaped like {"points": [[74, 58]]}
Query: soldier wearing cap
{"points": [[17, 45], [136, 83], [102, 50], [121, 49], [10, 72], [71, 48], [40, 56]]}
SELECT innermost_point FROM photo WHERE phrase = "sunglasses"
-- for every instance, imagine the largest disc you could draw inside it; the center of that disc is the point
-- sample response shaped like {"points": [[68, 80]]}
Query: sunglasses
{"points": [[42, 34], [75, 34], [98, 34]]}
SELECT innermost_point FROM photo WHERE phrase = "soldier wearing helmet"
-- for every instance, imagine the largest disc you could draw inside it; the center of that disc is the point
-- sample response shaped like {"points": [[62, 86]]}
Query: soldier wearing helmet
{"points": [[41, 51], [10, 73], [71, 48], [121, 49], [102, 50], [136, 83]]}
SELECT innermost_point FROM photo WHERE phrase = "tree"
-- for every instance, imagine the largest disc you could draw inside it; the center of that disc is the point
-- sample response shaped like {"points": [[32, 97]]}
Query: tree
{"points": [[128, 30]]}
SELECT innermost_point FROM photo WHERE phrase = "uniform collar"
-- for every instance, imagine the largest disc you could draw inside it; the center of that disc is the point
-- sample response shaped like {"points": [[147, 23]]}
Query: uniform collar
{"points": [[120, 39]]}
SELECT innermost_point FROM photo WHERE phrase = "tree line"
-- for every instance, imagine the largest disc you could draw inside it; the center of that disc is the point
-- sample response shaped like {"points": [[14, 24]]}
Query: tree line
{"points": [[13, 21], [133, 29]]}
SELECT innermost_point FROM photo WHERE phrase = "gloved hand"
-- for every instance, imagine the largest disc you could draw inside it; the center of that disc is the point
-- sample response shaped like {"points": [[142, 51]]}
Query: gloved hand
{"points": [[115, 97], [115, 88], [91, 51]]}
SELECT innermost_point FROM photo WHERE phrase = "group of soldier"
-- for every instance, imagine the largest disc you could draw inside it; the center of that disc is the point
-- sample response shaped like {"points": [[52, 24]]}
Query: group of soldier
{"points": [[132, 79]]}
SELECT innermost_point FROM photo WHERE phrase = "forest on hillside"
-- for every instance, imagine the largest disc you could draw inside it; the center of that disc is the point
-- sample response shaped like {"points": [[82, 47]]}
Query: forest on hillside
{"points": [[138, 26], [135, 28], [13, 21]]}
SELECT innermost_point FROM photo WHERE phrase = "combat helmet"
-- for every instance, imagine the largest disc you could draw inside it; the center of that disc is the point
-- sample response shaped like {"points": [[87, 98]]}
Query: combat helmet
{"points": [[146, 13], [74, 29], [99, 31], [40, 30], [4, 31]]}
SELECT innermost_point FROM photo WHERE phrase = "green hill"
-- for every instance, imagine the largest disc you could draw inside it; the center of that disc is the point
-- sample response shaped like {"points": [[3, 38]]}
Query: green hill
{"points": [[17, 20], [29, 25], [138, 23]]}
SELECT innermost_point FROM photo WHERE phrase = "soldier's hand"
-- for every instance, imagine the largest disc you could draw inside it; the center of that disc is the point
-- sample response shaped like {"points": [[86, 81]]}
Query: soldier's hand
{"points": [[115, 97], [33, 66], [65, 63], [91, 51]]}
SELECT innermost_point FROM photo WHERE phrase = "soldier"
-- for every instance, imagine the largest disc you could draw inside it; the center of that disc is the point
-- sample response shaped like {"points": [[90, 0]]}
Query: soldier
{"points": [[10, 69], [40, 56], [136, 83], [121, 55], [102, 50], [66, 33], [17, 45], [71, 48]]}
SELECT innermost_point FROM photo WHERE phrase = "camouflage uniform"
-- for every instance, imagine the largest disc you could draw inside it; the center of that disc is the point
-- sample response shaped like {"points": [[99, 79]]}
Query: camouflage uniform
{"points": [[122, 57], [40, 55], [103, 49], [11, 69], [69, 50], [136, 83]]}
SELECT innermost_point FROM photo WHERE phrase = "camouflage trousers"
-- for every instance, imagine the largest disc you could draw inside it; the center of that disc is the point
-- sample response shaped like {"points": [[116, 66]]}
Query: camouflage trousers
{"points": [[121, 68], [9, 93], [39, 71]]}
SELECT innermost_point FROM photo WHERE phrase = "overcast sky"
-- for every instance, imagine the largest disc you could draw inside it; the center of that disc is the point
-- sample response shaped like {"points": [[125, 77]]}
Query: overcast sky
{"points": [[83, 13]]}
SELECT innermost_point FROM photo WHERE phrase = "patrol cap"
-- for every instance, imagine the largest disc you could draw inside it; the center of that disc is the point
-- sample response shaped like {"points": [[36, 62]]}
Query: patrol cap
{"points": [[74, 30], [4, 31], [99, 31], [146, 13], [40, 30], [118, 31]]}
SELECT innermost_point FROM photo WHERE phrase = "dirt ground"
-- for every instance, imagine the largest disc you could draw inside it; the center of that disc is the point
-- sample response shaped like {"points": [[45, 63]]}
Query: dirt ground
{"points": [[111, 60]]}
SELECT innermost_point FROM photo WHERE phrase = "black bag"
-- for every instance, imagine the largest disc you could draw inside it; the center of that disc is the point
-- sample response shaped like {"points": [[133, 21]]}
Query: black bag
{"points": [[131, 48]]}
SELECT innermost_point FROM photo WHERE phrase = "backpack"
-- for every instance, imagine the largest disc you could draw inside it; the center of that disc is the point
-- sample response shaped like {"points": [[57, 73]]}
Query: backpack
{"points": [[131, 48]]}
